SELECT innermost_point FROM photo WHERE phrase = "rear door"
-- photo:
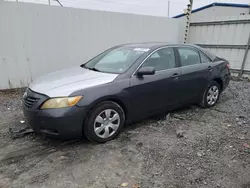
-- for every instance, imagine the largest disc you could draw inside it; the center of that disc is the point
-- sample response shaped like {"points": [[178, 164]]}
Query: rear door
{"points": [[152, 93], [195, 69]]}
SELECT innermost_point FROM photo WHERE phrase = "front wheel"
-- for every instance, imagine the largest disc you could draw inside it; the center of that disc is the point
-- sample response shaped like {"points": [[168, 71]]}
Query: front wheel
{"points": [[211, 95], [104, 123]]}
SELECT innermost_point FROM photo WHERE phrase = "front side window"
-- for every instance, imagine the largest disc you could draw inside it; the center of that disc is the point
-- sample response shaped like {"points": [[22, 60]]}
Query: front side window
{"points": [[161, 60], [189, 56], [116, 60]]}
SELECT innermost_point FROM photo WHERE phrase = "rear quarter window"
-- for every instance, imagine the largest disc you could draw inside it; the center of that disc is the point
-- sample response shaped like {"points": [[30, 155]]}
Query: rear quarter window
{"points": [[204, 58]]}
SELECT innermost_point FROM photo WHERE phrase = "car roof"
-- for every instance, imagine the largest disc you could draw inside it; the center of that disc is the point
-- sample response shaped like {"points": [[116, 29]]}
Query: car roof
{"points": [[155, 45], [152, 45], [146, 44]]}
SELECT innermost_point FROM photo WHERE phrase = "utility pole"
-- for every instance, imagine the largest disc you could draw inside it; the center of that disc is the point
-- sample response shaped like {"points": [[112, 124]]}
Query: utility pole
{"points": [[168, 8], [249, 8], [49, 2], [59, 3], [188, 16], [245, 58]]}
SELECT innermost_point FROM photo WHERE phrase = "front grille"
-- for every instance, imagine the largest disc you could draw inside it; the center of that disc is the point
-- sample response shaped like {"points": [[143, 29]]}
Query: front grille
{"points": [[29, 101], [32, 99]]}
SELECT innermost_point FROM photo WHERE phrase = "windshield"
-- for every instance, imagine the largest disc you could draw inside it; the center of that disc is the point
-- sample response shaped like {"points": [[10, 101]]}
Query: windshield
{"points": [[115, 60]]}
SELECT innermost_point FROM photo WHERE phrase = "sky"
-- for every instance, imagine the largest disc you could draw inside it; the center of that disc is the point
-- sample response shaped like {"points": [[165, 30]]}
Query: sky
{"points": [[146, 7]]}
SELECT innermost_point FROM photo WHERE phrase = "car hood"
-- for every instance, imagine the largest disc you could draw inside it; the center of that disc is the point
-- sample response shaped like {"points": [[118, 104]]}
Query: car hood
{"points": [[67, 81]]}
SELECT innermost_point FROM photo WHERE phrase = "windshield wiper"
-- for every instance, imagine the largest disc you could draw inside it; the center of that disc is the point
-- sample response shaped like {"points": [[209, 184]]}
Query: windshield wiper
{"points": [[90, 68], [94, 69]]}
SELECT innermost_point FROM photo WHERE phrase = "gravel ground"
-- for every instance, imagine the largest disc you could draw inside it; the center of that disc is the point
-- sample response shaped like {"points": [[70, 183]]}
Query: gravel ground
{"points": [[191, 147]]}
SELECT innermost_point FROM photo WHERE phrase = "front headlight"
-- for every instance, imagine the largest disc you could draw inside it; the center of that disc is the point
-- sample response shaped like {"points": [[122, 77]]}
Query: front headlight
{"points": [[61, 102]]}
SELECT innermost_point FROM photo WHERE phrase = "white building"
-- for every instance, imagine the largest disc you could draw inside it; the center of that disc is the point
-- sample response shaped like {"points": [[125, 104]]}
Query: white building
{"points": [[218, 10]]}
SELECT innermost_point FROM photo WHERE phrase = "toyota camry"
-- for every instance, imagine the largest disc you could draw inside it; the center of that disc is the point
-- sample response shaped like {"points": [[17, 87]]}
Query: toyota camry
{"points": [[124, 83]]}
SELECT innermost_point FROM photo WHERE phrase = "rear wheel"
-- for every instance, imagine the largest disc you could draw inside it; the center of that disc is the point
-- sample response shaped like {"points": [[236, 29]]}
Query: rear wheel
{"points": [[211, 95], [104, 123]]}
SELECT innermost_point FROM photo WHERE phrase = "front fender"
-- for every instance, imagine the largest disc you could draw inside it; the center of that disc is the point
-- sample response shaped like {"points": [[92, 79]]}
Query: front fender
{"points": [[114, 91]]}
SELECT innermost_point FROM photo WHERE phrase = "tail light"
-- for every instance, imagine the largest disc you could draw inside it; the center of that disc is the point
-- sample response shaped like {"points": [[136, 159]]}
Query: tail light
{"points": [[228, 65]]}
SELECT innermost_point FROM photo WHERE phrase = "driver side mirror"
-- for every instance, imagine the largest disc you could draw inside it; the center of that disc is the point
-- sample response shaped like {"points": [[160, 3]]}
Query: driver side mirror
{"points": [[146, 71]]}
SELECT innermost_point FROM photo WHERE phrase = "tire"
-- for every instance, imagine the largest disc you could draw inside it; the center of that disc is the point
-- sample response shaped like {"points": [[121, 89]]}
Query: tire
{"points": [[104, 122], [213, 90]]}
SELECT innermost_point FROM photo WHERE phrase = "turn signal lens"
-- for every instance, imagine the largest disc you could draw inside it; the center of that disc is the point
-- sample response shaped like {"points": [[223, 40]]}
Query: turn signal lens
{"points": [[61, 102]]}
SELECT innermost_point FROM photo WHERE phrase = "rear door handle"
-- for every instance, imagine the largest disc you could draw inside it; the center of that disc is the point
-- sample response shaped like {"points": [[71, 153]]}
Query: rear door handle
{"points": [[209, 68]]}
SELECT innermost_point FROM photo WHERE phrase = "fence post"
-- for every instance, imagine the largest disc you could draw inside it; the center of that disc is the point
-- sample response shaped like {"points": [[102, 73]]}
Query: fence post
{"points": [[245, 58]]}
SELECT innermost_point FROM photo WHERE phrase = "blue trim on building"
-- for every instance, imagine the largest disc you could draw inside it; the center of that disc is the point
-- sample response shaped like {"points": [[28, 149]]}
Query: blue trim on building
{"points": [[216, 4]]}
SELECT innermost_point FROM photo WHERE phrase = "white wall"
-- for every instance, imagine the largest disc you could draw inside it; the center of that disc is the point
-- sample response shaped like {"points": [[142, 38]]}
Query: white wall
{"points": [[38, 39]]}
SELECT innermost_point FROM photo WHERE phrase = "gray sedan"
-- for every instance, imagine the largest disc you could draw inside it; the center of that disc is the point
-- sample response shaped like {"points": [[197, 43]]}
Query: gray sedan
{"points": [[123, 84]]}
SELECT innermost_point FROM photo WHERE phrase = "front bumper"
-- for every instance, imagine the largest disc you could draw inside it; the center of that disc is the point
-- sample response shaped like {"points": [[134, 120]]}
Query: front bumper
{"points": [[64, 123]]}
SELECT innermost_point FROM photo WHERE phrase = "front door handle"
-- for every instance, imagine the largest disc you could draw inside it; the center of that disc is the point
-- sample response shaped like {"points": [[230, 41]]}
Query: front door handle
{"points": [[175, 76], [209, 68]]}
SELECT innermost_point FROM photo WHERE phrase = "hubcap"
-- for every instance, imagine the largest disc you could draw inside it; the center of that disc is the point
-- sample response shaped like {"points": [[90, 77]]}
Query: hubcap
{"points": [[212, 95], [106, 123]]}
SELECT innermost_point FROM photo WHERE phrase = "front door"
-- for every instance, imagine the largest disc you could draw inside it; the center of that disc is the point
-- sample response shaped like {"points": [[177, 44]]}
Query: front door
{"points": [[152, 93]]}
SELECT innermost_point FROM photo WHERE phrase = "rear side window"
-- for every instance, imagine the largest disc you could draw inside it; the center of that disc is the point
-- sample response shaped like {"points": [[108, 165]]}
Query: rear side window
{"points": [[204, 59], [189, 56]]}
